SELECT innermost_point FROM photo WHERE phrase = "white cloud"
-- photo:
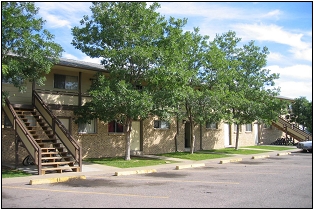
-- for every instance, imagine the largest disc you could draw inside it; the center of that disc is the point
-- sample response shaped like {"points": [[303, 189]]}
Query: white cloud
{"points": [[274, 33], [295, 81], [294, 90], [292, 73], [274, 13], [92, 60], [69, 56], [275, 56], [304, 54], [63, 14], [216, 11]]}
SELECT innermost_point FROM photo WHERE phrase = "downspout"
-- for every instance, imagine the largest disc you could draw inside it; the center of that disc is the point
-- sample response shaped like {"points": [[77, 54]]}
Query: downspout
{"points": [[80, 89], [201, 136]]}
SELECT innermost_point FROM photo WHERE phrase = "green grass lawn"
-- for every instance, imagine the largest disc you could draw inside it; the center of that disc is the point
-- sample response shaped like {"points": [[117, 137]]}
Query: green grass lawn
{"points": [[7, 172], [119, 162], [269, 147]]}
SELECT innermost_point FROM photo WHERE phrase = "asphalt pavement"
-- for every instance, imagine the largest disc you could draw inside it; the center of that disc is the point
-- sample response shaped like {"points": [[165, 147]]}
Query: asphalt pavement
{"points": [[90, 169]]}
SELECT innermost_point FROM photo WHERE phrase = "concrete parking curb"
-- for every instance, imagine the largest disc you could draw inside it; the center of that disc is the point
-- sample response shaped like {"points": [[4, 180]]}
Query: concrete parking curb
{"points": [[284, 153], [260, 156], [178, 167], [121, 173], [54, 180], [230, 161]]}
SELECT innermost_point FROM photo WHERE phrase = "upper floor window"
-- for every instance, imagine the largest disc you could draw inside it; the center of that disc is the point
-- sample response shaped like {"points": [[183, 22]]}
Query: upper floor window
{"points": [[115, 127], [248, 127], [211, 125], [65, 82], [161, 124], [87, 128]]}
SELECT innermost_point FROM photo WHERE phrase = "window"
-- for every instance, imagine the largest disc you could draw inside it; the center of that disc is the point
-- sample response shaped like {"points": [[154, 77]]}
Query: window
{"points": [[235, 128], [161, 124], [87, 128], [211, 125], [115, 127], [248, 127], [65, 82]]}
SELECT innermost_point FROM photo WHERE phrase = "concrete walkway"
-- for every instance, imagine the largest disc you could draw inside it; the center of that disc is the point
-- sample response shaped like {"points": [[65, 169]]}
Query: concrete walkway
{"points": [[90, 169]]}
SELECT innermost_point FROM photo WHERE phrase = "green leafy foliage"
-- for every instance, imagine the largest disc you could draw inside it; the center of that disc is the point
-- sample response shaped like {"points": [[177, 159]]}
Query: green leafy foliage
{"points": [[27, 50], [125, 35], [244, 83], [301, 113]]}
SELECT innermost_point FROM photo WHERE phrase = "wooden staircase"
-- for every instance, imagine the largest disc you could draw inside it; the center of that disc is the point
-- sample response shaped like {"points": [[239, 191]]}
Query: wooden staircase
{"points": [[291, 130], [54, 155]]}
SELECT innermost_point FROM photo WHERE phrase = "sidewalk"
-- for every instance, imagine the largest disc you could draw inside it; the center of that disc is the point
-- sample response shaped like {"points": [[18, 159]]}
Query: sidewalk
{"points": [[90, 169]]}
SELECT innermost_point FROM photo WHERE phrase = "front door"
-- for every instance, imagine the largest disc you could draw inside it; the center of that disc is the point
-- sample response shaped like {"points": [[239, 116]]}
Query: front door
{"points": [[135, 136], [187, 135], [226, 135]]}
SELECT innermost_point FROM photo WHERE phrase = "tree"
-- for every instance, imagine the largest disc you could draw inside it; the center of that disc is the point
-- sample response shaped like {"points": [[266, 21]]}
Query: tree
{"points": [[27, 50], [125, 35], [178, 87], [246, 84], [302, 113]]}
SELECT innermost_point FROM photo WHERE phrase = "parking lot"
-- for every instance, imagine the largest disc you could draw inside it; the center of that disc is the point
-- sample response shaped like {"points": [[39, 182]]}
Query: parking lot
{"points": [[275, 181]]}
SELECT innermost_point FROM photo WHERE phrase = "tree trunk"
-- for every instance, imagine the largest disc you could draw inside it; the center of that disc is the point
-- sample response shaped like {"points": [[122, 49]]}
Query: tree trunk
{"points": [[128, 126], [237, 136], [192, 141]]}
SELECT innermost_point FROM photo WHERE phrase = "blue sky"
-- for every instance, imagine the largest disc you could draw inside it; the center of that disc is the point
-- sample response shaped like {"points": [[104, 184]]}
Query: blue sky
{"points": [[284, 27]]}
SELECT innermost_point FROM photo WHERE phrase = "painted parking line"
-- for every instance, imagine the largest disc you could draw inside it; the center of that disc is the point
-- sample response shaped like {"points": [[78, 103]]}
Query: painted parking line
{"points": [[171, 180], [79, 192]]}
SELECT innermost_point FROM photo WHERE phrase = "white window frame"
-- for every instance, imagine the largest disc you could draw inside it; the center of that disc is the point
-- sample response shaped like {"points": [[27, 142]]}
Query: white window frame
{"points": [[249, 127], [88, 128], [211, 125], [69, 83], [160, 124]]}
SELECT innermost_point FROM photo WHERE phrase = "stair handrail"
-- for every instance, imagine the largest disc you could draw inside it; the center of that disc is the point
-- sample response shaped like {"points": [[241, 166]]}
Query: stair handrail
{"points": [[25, 136], [287, 124], [58, 128]]}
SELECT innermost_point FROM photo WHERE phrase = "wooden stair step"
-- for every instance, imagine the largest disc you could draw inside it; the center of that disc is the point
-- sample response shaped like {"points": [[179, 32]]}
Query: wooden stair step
{"points": [[57, 163], [47, 149], [60, 169], [51, 158]]}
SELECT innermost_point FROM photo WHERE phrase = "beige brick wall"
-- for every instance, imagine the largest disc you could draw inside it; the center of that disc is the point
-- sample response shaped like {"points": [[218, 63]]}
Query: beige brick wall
{"points": [[8, 145], [155, 141], [269, 135], [213, 138]]}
